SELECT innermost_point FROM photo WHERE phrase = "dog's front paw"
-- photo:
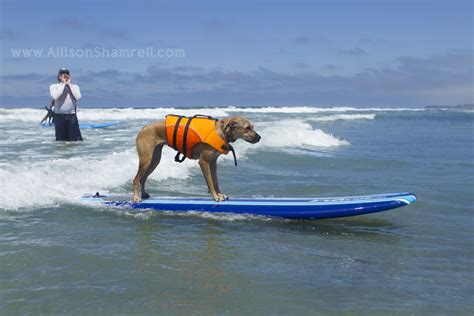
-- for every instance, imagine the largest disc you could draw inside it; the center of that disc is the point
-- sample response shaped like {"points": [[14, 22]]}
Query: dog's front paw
{"points": [[223, 196], [219, 197], [136, 199], [145, 195]]}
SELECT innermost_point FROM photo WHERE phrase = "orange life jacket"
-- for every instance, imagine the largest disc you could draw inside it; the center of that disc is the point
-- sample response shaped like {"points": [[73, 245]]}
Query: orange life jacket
{"points": [[183, 133]]}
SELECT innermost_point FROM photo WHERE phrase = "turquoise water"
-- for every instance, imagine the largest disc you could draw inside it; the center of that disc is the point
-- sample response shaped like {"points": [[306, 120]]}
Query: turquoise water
{"points": [[61, 256]]}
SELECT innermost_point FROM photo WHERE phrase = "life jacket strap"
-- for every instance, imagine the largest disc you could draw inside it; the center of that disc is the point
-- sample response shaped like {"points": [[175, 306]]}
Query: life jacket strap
{"points": [[185, 138], [233, 153], [175, 132]]}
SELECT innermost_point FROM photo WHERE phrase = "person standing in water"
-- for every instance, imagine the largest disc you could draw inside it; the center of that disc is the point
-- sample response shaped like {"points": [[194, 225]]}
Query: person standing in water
{"points": [[65, 96]]}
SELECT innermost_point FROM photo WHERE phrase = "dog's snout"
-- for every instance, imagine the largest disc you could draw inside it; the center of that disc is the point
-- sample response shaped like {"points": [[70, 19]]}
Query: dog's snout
{"points": [[256, 138]]}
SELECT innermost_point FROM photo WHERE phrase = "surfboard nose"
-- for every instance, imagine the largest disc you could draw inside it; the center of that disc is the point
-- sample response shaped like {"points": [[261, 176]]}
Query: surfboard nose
{"points": [[410, 198]]}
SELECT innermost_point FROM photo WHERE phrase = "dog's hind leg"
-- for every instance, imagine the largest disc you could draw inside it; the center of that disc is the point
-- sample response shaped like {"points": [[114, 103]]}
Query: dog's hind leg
{"points": [[150, 141], [149, 154], [136, 181], [155, 161]]}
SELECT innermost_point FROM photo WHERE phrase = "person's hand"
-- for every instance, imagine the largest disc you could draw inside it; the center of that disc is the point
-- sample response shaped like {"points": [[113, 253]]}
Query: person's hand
{"points": [[65, 78]]}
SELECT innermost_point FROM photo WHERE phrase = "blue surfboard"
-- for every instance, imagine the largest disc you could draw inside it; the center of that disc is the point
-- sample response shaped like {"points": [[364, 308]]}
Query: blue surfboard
{"points": [[292, 208], [89, 125], [99, 125]]}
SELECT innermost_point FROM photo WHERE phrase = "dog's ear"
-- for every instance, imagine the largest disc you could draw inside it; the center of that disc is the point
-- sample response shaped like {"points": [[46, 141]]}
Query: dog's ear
{"points": [[227, 123], [224, 123]]}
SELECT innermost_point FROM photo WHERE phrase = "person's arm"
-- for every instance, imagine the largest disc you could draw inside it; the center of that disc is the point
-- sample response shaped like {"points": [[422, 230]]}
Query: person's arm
{"points": [[75, 91], [56, 90]]}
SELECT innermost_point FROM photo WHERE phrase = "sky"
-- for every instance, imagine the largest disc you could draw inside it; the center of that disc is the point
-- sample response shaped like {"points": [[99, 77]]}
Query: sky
{"points": [[383, 53]]}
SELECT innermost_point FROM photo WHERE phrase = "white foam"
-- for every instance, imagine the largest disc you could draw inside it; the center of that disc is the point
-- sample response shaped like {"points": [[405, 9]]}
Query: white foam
{"points": [[228, 217], [21, 115], [144, 114], [147, 214], [309, 109], [108, 114], [48, 183], [292, 136], [343, 117], [295, 134]]}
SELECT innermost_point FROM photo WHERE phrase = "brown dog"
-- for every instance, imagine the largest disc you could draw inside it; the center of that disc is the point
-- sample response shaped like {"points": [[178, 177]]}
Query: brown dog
{"points": [[152, 137]]}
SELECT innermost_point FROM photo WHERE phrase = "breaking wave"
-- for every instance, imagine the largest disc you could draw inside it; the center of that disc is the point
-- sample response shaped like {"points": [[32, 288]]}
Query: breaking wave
{"points": [[48, 183], [117, 114], [343, 117]]}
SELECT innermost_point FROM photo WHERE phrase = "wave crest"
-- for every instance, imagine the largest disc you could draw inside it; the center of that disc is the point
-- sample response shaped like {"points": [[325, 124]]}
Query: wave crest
{"points": [[343, 117], [294, 134], [48, 183]]}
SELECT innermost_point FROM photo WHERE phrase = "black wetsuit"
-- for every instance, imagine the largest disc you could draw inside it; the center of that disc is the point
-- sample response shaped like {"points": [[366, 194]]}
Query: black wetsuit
{"points": [[67, 127]]}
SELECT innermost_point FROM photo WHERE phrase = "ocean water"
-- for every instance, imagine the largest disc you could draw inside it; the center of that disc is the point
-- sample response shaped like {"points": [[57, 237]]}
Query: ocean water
{"points": [[61, 256]]}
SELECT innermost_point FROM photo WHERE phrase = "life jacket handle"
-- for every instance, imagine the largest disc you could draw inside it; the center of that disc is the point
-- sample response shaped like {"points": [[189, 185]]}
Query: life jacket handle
{"points": [[205, 116]]}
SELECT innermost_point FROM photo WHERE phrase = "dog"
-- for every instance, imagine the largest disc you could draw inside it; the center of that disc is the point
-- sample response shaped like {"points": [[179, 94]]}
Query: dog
{"points": [[49, 117], [151, 139]]}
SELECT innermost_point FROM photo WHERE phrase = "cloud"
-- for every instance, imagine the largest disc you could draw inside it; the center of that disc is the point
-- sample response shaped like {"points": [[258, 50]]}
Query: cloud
{"points": [[373, 41], [90, 45], [25, 77], [438, 79], [356, 51], [114, 34], [302, 65], [9, 34], [411, 81], [88, 24], [73, 23], [306, 40], [216, 24], [108, 73], [330, 67], [450, 61], [303, 40]]}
